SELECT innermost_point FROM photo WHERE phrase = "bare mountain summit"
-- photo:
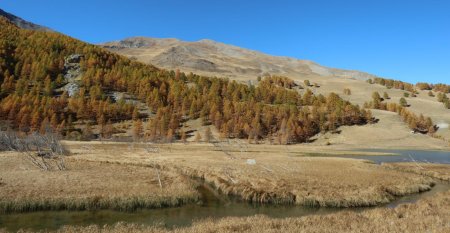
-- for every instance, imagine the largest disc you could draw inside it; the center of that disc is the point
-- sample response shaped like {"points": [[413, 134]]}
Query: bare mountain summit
{"points": [[23, 23], [217, 59]]}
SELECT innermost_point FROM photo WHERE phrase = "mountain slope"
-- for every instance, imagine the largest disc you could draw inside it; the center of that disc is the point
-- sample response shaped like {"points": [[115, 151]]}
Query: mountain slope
{"points": [[49, 80], [23, 23], [217, 59]]}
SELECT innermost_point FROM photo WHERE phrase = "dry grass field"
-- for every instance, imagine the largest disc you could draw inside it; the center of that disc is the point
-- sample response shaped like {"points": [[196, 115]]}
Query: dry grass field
{"points": [[422, 104], [389, 132], [427, 215], [122, 176], [277, 175], [438, 171], [88, 185]]}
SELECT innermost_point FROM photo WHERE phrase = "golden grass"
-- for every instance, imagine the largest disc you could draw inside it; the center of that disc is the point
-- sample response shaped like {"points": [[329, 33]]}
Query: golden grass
{"points": [[277, 177], [428, 215], [88, 185], [438, 171]]}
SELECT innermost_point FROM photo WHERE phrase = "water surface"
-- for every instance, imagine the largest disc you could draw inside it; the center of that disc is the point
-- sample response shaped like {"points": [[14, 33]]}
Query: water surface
{"points": [[422, 156]]}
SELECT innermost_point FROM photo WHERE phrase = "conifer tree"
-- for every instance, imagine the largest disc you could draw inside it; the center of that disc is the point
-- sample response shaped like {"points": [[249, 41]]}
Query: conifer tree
{"points": [[208, 134], [107, 130], [183, 136], [170, 136], [137, 130], [198, 137], [87, 132], [403, 102]]}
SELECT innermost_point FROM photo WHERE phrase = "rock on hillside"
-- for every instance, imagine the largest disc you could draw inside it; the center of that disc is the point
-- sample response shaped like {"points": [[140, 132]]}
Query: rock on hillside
{"points": [[72, 74]]}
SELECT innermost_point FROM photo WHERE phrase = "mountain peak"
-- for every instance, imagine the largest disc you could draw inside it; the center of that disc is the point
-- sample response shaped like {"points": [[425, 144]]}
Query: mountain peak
{"points": [[208, 41], [139, 42]]}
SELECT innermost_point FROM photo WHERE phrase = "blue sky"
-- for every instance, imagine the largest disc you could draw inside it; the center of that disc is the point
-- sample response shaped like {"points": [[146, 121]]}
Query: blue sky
{"points": [[405, 40]]}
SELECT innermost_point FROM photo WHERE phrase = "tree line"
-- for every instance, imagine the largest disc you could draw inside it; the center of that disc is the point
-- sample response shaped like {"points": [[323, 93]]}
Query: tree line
{"points": [[443, 89], [417, 123]]}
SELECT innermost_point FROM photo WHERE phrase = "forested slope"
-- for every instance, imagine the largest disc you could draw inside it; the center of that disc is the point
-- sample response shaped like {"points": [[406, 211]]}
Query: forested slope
{"points": [[33, 98]]}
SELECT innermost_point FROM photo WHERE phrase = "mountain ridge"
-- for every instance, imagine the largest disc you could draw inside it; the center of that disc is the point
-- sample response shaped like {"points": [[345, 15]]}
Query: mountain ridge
{"points": [[210, 57], [23, 23]]}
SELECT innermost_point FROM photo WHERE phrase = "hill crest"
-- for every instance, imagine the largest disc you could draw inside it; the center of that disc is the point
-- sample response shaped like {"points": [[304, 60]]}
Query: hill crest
{"points": [[214, 58], [23, 23]]}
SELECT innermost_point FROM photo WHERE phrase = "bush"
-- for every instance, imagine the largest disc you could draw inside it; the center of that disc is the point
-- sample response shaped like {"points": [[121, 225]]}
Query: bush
{"points": [[347, 91], [447, 104], [43, 150], [441, 97], [423, 86], [376, 96], [403, 102]]}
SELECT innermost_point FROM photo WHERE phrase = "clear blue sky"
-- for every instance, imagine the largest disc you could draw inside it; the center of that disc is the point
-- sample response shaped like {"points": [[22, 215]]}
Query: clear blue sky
{"points": [[400, 39]]}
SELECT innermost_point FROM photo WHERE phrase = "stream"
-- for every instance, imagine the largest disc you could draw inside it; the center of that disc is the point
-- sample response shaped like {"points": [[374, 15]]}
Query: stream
{"points": [[213, 205]]}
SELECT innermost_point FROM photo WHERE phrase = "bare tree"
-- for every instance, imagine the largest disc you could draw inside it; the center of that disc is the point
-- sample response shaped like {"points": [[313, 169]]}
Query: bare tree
{"points": [[43, 150]]}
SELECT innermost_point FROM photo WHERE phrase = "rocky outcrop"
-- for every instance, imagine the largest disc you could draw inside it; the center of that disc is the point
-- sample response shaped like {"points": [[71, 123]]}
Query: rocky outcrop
{"points": [[72, 74]]}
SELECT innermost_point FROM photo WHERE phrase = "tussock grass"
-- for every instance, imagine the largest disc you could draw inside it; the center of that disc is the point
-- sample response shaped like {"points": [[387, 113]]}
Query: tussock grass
{"points": [[277, 177], [438, 171], [115, 176], [89, 186], [427, 215], [92, 203], [322, 182]]}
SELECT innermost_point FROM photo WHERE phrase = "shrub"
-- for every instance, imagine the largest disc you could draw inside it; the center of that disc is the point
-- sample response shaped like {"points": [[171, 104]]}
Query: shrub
{"points": [[403, 102], [447, 104], [43, 150], [423, 86], [347, 91], [376, 96]]}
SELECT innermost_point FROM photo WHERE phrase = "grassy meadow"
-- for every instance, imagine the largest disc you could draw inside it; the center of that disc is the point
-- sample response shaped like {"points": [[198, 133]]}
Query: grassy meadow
{"points": [[88, 186]]}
